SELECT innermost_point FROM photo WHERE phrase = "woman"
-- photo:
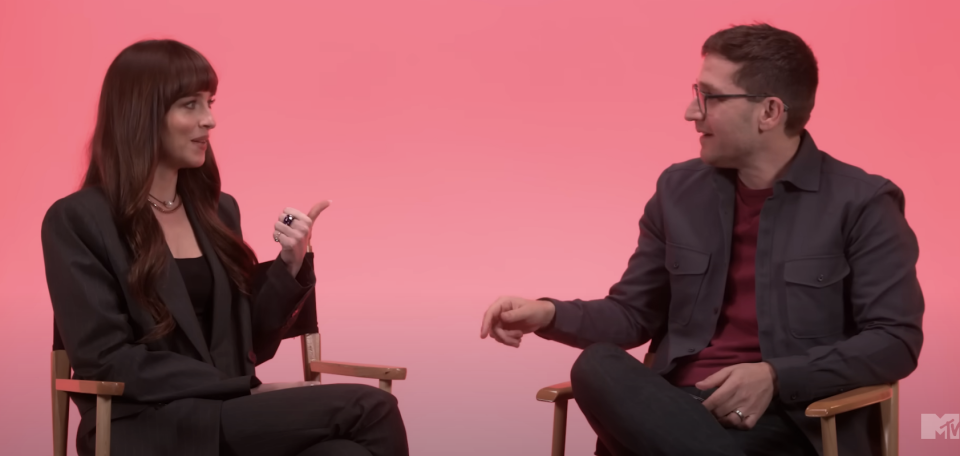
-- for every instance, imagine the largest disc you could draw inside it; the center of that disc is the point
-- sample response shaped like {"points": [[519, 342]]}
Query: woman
{"points": [[152, 285]]}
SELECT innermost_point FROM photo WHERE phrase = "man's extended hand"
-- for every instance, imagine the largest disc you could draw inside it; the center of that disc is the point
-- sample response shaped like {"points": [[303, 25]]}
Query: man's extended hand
{"points": [[510, 317], [746, 387]]}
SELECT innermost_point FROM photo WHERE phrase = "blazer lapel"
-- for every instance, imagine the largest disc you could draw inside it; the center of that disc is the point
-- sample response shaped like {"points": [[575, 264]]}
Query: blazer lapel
{"points": [[246, 334], [173, 293], [222, 344]]}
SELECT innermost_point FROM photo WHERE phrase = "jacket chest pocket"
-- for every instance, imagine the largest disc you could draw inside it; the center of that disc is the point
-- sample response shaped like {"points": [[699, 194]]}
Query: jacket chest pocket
{"points": [[814, 293], [687, 269]]}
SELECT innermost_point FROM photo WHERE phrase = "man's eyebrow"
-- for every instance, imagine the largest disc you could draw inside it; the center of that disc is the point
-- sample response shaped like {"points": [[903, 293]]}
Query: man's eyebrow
{"points": [[707, 87]]}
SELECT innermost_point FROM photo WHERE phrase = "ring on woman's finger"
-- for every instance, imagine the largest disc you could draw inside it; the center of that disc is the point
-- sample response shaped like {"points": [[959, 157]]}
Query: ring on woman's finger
{"points": [[276, 236], [288, 220]]}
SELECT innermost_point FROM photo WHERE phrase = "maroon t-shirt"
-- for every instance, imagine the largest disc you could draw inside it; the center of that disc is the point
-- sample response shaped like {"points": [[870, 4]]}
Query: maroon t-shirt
{"points": [[735, 340]]}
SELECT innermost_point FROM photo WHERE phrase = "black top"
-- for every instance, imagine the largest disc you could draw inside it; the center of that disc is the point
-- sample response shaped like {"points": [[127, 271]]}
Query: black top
{"points": [[199, 282]]}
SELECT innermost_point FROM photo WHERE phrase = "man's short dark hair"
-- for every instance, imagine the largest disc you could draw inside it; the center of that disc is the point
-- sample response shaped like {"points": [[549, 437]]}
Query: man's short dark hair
{"points": [[774, 62]]}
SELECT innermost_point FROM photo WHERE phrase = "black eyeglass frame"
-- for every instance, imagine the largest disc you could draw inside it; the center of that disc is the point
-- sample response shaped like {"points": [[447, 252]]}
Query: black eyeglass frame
{"points": [[703, 97]]}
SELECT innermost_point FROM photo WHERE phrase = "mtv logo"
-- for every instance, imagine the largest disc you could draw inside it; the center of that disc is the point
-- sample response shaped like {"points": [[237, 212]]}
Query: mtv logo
{"points": [[932, 425]]}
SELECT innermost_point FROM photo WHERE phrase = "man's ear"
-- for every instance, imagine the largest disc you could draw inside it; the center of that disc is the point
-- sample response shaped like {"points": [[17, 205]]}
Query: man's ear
{"points": [[772, 114]]}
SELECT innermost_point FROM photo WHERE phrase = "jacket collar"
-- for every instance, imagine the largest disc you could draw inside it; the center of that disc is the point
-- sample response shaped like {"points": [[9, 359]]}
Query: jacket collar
{"points": [[804, 170]]}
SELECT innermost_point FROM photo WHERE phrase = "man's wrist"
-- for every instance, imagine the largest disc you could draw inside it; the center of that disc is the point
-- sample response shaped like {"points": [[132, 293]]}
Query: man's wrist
{"points": [[773, 377], [550, 315]]}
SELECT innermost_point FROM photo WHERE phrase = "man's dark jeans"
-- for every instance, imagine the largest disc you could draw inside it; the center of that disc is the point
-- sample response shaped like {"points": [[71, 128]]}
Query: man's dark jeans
{"points": [[636, 412]]}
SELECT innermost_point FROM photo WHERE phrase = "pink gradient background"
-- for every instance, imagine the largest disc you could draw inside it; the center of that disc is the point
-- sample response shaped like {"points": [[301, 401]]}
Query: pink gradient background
{"points": [[472, 148]]}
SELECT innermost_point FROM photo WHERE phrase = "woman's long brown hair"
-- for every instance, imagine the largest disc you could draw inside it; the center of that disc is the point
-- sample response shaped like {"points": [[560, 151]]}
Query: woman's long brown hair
{"points": [[140, 86]]}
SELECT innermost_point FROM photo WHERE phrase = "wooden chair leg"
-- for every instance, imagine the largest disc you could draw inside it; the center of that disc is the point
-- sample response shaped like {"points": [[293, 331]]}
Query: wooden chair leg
{"points": [[828, 427], [890, 411], [310, 352], [60, 403], [559, 428], [103, 425], [386, 385], [61, 421]]}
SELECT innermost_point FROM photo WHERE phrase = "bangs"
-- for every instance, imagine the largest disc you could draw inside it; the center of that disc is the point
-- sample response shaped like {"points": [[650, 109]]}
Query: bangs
{"points": [[187, 73]]}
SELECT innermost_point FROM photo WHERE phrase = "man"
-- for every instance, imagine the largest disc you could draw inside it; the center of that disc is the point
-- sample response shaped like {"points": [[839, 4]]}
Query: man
{"points": [[767, 275]]}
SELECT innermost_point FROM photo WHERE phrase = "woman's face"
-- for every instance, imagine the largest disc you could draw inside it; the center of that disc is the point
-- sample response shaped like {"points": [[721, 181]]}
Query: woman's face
{"points": [[185, 135]]}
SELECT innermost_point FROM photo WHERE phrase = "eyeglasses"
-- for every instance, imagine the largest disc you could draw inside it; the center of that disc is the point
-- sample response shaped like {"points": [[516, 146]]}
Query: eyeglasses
{"points": [[703, 97]]}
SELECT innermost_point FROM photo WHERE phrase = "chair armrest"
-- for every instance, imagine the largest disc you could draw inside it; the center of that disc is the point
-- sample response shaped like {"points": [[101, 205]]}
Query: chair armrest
{"points": [[359, 370], [851, 400], [90, 387], [554, 393]]}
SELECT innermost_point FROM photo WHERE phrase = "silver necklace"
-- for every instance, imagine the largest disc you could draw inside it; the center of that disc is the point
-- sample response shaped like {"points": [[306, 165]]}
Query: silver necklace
{"points": [[164, 206]]}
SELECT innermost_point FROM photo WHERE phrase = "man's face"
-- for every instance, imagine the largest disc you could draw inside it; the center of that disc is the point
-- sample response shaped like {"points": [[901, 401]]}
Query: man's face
{"points": [[730, 129]]}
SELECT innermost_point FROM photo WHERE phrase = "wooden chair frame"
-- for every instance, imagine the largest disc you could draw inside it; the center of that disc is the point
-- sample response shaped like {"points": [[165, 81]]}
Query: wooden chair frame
{"points": [[888, 396], [61, 385]]}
